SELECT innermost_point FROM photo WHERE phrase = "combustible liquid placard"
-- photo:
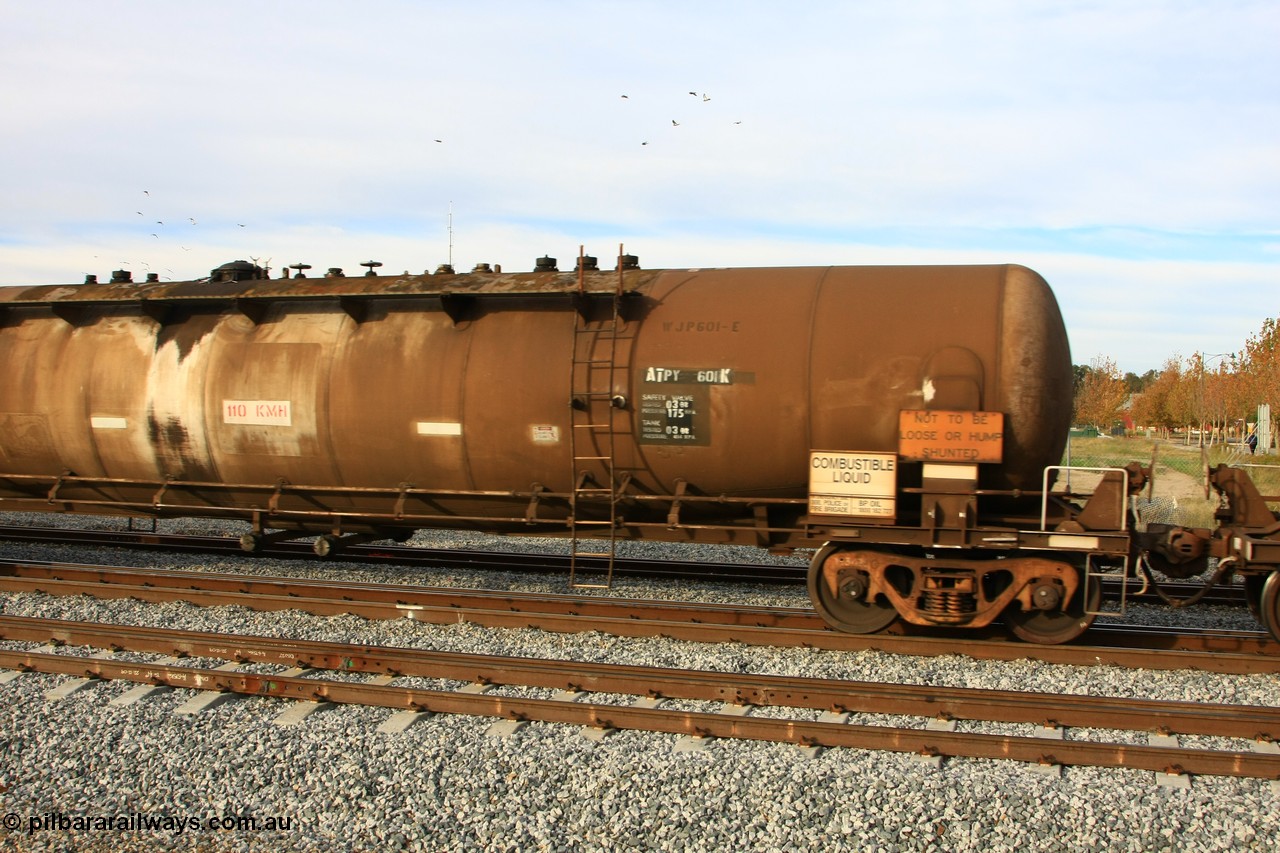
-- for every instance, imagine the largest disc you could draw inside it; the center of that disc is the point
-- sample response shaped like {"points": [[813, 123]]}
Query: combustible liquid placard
{"points": [[862, 485]]}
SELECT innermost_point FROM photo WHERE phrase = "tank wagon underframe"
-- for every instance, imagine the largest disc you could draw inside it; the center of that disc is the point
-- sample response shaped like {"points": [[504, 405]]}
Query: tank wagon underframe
{"points": [[781, 524], [899, 421]]}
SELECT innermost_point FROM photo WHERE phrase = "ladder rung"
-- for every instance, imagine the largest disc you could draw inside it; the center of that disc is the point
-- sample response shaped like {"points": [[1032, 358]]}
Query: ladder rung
{"points": [[589, 586], [588, 458], [592, 426], [593, 491], [592, 553], [604, 523]]}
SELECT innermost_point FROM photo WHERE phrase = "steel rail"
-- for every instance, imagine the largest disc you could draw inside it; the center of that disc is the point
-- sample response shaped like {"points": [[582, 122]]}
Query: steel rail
{"points": [[1011, 706], [206, 587], [1230, 652], [698, 724], [409, 555], [454, 597]]}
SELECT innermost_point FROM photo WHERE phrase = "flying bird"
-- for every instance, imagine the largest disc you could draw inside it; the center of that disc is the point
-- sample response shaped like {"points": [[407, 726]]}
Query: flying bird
{"points": [[626, 97], [240, 224], [192, 221], [675, 123]]}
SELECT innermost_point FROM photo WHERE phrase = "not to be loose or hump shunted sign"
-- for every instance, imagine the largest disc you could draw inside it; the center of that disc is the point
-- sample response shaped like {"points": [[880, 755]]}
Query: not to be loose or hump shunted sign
{"points": [[862, 485], [941, 436]]}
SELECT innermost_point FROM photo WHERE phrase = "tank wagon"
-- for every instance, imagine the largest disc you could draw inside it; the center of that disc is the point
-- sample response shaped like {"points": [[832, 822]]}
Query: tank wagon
{"points": [[902, 422]]}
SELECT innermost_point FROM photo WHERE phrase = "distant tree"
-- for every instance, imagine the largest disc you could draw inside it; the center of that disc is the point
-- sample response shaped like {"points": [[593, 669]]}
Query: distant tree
{"points": [[1078, 372], [1212, 393], [1261, 363], [1101, 395], [1221, 403], [1154, 406], [1184, 396], [1260, 366]]}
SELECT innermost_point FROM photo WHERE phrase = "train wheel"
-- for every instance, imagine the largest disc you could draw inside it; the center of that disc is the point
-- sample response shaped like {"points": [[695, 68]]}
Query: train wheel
{"points": [[1269, 605], [1051, 627], [849, 610]]}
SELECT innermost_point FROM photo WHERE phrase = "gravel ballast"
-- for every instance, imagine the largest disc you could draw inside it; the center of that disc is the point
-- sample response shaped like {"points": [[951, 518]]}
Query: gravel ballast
{"points": [[446, 784]]}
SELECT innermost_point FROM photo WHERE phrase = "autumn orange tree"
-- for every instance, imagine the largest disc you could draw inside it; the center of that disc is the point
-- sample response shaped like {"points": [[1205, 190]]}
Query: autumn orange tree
{"points": [[1215, 394], [1260, 367], [1158, 404], [1217, 402], [1101, 394], [1261, 363]]}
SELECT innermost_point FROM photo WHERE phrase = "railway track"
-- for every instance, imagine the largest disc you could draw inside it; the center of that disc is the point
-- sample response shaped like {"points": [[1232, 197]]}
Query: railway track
{"points": [[1129, 646], [582, 683], [407, 555], [450, 558]]}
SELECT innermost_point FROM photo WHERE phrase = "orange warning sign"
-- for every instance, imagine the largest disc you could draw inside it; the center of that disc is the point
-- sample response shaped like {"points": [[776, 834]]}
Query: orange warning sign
{"points": [[925, 436]]}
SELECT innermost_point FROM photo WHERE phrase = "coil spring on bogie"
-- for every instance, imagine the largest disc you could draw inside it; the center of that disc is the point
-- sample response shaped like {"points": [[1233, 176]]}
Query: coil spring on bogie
{"points": [[947, 603]]}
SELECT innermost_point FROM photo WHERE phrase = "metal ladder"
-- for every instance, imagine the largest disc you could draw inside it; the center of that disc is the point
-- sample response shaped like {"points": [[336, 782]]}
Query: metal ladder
{"points": [[592, 434]]}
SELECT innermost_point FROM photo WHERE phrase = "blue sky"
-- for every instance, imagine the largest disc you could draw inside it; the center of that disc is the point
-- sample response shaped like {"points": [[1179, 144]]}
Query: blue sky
{"points": [[1129, 152]]}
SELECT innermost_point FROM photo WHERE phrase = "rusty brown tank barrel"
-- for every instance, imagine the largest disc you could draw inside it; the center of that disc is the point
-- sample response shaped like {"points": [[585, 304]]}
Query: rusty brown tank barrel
{"points": [[723, 379], [825, 358]]}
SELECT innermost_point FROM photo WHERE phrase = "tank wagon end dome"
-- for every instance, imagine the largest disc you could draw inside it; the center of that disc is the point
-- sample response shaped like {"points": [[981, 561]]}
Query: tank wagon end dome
{"points": [[1035, 373]]}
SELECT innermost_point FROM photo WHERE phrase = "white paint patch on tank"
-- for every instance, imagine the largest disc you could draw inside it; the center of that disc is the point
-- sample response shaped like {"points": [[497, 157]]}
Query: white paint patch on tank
{"points": [[439, 428], [175, 397], [928, 391], [141, 333]]}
